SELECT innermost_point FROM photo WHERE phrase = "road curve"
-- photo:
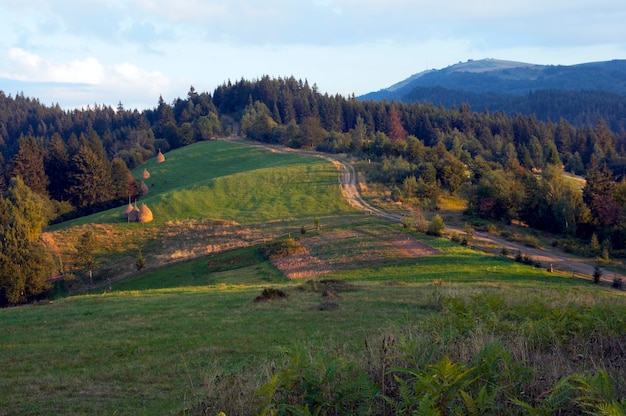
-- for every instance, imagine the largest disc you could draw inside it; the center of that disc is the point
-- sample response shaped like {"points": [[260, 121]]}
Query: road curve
{"points": [[348, 181]]}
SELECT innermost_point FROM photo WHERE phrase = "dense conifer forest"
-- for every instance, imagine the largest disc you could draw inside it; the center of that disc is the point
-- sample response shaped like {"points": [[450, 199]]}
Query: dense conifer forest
{"points": [[508, 168]]}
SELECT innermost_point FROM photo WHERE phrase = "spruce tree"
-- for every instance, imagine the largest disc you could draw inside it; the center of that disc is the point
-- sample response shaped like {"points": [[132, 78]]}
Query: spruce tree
{"points": [[119, 179], [90, 179], [56, 164], [28, 164], [396, 131]]}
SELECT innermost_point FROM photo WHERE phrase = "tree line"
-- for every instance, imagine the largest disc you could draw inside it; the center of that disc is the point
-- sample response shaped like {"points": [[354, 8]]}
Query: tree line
{"points": [[507, 167]]}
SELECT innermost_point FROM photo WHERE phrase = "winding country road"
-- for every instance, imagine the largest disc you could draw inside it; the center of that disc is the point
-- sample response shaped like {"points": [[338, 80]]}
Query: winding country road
{"points": [[348, 181]]}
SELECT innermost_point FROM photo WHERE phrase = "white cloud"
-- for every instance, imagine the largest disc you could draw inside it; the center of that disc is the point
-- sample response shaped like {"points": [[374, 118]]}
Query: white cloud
{"points": [[26, 66], [82, 82], [130, 78], [134, 50]]}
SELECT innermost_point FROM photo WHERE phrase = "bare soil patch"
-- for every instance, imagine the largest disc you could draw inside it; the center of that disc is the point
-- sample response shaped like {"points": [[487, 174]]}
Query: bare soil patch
{"points": [[301, 266], [413, 247], [348, 249]]}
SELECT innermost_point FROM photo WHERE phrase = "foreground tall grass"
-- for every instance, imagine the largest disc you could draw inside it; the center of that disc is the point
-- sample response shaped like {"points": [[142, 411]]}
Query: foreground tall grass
{"points": [[486, 352], [191, 337]]}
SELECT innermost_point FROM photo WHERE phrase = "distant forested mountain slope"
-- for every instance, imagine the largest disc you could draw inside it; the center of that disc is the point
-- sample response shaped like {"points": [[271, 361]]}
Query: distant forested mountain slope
{"points": [[581, 94]]}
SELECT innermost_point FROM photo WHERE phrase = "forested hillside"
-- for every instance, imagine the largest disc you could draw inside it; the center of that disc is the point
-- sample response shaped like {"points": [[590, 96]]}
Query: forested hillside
{"points": [[582, 94], [509, 168]]}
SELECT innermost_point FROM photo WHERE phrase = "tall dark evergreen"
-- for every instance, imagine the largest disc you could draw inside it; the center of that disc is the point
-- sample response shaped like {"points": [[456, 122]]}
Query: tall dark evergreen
{"points": [[90, 179], [56, 164], [3, 183], [119, 179], [28, 164], [396, 131]]}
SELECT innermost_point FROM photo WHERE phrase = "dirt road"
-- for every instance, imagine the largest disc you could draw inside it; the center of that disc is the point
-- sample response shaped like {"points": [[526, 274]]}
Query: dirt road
{"points": [[548, 257]]}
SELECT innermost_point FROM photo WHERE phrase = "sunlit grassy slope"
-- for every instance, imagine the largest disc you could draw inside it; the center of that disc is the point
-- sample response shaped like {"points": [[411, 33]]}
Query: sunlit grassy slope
{"points": [[222, 180]]}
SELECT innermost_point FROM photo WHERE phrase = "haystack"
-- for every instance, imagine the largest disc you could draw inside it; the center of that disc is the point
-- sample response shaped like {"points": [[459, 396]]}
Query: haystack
{"points": [[160, 158], [133, 215], [144, 188], [128, 209], [146, 174], [145, 215]]}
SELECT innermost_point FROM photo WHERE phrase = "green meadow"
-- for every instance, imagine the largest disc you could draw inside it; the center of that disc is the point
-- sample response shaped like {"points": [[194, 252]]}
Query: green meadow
{"points": [[189, 338], [233, 182]]}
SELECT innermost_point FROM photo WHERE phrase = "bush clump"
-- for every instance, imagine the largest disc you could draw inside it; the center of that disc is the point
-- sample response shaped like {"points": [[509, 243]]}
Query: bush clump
{"points": [[281, 248], [270, 294], [436, 226]]}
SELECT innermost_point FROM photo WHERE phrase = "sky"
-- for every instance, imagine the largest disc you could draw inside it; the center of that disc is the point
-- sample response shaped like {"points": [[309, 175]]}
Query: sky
{"points": [[77, 53]]}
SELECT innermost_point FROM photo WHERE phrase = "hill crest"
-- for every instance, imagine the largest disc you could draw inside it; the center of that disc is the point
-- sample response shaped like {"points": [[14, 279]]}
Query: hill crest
{"points": [[510, 77]]}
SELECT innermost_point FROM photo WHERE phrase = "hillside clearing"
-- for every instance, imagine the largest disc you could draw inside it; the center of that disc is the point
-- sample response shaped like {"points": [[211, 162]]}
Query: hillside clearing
{"points": [[352, 248], [206, 198]]}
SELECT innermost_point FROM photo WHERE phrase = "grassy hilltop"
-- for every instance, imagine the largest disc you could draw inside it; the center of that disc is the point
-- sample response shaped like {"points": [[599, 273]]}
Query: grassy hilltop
{"points": [[187, 337]]}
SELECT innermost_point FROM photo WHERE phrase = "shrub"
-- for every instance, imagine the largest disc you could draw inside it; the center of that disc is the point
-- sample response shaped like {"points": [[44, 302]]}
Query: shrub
{"points": [[140, 262], [617, 282], [270, 294], [597, 274], [492, 229], [396, 194], [281, 248], [318, 384], [436, 226]]}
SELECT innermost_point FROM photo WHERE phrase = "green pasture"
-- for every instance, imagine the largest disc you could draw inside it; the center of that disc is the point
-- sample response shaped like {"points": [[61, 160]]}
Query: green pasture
{"points": [[153, 343], [222, 180]]}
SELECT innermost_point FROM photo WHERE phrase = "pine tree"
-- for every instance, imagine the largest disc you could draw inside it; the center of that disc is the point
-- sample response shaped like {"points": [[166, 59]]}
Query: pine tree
{"points": [[119, 179], [56, 164], [3, 184], [396, 131], [91, 181], [598, 193], [28, 164]]}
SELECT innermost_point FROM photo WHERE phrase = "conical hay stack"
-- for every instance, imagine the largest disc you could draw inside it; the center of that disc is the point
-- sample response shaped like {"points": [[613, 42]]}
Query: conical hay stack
{"points": [[134, 214], [128, 209], [144, 188], [145, 215], [160, 158], [146, 174]]}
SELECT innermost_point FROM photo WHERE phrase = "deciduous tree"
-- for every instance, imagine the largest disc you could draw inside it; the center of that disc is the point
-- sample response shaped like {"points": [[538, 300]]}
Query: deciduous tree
{"points": [[25, 263]]}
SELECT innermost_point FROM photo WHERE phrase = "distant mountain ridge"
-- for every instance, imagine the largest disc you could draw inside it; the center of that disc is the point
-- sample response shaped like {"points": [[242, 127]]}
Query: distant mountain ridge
{"points": [[598, 89], [499, 76]]}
